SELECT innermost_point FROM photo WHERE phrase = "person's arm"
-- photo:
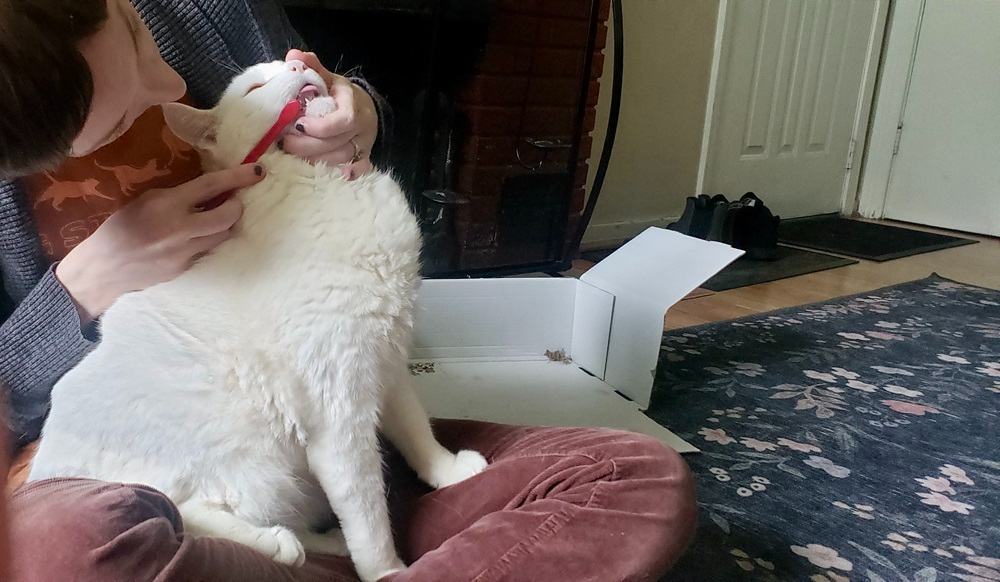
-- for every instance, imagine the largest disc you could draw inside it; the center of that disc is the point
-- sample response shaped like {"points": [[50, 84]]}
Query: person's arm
{"points": [[151, 240], [381, 151], [40, 340]]}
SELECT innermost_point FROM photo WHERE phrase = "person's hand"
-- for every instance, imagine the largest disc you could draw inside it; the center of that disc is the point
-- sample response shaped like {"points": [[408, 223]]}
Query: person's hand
{"points": [[153, 239], [337, 137]]}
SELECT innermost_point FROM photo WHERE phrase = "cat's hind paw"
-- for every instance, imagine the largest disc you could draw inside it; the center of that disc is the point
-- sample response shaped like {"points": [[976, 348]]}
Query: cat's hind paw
{"points": [[460, 467]]}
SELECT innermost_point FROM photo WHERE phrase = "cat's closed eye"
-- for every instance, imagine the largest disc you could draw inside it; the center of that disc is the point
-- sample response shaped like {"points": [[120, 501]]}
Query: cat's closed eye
{"points": [[253, 88]]}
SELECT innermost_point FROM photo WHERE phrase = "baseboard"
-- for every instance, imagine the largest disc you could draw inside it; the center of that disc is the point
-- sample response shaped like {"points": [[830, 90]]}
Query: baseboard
{"points": [[611, 234]]}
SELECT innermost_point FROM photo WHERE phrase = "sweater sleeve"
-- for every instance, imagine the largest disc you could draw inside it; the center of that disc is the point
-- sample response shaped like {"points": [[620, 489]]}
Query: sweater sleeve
{"points": [[381, 152], [39, 342]]}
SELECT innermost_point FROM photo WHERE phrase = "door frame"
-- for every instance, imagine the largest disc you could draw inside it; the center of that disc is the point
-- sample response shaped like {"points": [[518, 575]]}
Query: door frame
{"points": [[905, 20], [866, 98]]}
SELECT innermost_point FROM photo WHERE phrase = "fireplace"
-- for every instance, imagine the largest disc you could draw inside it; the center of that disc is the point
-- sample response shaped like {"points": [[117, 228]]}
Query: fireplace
{"points": [[494, 102]]}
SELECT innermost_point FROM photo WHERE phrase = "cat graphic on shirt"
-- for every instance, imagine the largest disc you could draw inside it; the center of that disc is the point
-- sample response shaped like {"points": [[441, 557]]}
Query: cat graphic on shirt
{"points": [[252, 388], [58, 192]]}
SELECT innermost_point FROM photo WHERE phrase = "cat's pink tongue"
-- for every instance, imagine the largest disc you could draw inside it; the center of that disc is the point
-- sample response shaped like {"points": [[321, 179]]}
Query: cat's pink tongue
{"points": [[307, 94]]}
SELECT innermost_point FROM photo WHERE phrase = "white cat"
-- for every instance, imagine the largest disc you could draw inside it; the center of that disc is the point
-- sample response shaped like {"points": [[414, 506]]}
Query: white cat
{"points": [[250, 389]]}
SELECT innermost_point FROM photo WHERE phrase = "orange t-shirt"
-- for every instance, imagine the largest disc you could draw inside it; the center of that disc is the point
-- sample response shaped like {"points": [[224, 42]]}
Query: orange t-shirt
{"points": [[69, 203]]}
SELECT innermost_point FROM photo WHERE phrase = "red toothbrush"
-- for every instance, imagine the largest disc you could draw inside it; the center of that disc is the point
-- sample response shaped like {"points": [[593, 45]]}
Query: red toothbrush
{"points": [[288, 115]]}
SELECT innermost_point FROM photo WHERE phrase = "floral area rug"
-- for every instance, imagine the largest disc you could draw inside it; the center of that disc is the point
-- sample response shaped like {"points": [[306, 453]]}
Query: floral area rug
{"points": [[852, 440]]}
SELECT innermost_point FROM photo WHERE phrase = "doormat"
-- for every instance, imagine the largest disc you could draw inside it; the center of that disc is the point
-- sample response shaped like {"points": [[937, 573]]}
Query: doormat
{"points": [[791, 262], [864, 240]]}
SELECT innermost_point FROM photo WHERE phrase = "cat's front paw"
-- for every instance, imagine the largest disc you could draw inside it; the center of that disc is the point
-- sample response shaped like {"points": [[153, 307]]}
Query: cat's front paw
{"points": [[286, 547], [458, 468]]}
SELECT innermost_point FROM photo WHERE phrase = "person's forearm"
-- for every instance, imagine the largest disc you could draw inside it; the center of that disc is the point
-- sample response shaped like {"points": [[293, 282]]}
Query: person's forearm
{"points": [[39, 342]]}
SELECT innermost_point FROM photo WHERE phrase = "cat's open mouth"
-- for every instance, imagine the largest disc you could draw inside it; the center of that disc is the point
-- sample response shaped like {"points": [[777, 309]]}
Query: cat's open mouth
{"points": [[307, 94]]}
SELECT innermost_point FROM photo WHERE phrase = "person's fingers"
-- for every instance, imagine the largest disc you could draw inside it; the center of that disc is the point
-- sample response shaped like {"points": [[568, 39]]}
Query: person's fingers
{"points": [[307, 147], [208, 186], [200, 246], [344, 120], [216, 220], [340, 122]]}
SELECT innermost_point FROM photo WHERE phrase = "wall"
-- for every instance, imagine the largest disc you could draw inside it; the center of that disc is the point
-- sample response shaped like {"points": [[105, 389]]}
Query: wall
{"points": [[668, 58]]}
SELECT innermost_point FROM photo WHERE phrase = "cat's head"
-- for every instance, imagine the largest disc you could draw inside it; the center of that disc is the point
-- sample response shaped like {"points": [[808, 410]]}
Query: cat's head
{"points": [[247, 110]]}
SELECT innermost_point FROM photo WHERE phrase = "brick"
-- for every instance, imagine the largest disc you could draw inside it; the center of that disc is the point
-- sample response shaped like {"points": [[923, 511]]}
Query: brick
{"points": [[514, 29], [605, 11], [593, 92], [580, 179], [597, 65], [494, 90], [550, 121], [558, 62], [576, 9], [602, 36], [510, 60], [563, 33], [589, 120], [554, 92], [493, 121], [586, 145]]}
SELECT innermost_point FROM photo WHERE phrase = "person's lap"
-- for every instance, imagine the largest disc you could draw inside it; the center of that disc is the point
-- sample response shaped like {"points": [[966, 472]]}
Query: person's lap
{"points": [[554, 504]]}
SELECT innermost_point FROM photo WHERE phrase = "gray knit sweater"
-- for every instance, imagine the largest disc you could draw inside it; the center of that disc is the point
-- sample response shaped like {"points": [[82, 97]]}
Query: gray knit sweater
{"points": [[40, 334]]}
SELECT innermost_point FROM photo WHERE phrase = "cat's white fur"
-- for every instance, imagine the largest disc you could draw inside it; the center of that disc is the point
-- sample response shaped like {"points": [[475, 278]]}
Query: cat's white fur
{"points": [[250, 388]]}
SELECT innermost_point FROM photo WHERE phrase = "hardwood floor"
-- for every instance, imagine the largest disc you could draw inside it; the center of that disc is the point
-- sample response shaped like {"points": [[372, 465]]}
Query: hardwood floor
{"points": [[977, 264]]}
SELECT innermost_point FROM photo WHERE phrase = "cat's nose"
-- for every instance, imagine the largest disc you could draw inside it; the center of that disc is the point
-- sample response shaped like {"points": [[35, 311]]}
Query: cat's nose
{"points": [[296, 66]]}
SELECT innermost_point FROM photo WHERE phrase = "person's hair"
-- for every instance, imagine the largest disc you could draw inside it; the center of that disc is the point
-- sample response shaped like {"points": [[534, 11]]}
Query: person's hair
{"points": [[45, 83]]}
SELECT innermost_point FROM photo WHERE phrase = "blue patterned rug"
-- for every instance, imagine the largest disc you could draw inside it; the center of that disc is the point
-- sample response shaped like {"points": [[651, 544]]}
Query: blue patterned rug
{"points": [[852, 440]]}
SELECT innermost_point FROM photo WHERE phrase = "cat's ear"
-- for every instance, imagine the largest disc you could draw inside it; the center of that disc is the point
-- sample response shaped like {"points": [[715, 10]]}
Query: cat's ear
{"points": [[195, 126]]}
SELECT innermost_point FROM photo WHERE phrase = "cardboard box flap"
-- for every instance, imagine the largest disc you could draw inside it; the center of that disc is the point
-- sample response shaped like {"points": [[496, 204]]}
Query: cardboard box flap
{"points": [[660, 267], [646, 276]]}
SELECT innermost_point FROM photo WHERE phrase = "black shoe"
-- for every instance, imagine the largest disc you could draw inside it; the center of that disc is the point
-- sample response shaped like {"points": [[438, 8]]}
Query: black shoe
{"points": [[697, 217], [755, 229], [723, 218], [683, 224]]}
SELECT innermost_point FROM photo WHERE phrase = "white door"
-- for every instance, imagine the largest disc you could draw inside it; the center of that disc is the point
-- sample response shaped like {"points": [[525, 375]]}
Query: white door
{"points": [[946, 171], [792, 93]]}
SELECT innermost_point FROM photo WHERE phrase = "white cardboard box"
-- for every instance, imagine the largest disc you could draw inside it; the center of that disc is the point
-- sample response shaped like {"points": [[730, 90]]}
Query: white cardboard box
{"points": [[487, 338]]}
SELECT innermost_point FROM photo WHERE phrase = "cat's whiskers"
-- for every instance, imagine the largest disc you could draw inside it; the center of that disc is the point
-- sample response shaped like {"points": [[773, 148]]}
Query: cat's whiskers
{"points": [[229, 66]]}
